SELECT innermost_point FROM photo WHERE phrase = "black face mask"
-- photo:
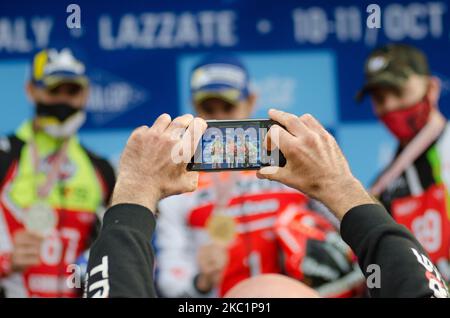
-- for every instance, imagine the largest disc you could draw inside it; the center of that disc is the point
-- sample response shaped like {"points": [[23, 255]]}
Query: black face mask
{"points": [[61, 111]]}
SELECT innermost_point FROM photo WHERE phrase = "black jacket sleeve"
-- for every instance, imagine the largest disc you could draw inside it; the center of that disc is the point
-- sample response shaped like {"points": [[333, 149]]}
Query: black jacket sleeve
{"points": [[393, 261], [121, 259]]}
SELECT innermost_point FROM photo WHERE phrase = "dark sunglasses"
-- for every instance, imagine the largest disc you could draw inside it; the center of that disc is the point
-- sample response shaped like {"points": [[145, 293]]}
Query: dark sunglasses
{"points": [[212, 106], [68, 89]]}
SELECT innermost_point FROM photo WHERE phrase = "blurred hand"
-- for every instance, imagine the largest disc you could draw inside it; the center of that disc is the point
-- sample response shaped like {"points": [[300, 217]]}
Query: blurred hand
{"points": [[148, 171], [211, 259], [315, 164], [26, 251]]}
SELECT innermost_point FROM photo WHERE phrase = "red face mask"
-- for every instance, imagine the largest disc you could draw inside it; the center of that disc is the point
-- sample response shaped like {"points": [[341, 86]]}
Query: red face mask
{"points": [[406, 123]]}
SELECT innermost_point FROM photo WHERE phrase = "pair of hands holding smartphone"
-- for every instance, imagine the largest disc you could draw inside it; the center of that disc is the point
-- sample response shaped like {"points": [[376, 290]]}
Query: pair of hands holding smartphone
{"points": [[314, 163]]}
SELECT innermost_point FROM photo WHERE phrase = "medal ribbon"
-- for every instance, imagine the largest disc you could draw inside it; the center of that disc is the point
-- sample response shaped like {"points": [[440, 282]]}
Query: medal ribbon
{"points": [[429, 133], [56, 165]]}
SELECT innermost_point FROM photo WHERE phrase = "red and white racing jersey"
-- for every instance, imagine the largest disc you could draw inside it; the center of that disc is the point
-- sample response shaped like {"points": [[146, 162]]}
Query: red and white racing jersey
{"points": [[83, 186], [253, 204]]}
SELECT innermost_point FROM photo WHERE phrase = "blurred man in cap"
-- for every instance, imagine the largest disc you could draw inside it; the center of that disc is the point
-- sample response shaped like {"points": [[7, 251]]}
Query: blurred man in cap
{"points": [[220, 88], [51, 186], [414, 187], [236, 226]]}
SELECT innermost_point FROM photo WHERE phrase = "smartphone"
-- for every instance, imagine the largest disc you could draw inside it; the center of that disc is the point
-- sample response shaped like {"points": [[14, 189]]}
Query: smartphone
{"points": [[235, 145]]}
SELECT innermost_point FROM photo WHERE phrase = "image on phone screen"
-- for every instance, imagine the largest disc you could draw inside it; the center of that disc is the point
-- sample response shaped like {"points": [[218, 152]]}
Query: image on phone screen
{"points": [[234, 145]]}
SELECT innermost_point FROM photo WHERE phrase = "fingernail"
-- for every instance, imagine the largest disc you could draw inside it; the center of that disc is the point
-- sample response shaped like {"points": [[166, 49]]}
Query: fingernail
{"points": [[269, 170]]}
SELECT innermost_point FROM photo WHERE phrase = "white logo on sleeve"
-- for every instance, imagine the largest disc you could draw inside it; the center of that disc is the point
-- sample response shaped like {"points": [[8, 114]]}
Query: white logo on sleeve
{"points": [[101, 285], [435, 281]]}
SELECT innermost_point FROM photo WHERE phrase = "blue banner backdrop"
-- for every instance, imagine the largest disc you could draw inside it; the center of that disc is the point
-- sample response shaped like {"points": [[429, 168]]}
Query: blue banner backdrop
{"points": [[303, 56]]}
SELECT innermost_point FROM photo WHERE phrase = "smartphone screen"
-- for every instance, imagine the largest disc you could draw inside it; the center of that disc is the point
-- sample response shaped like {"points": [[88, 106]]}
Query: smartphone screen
{"points": [[235, 145]]}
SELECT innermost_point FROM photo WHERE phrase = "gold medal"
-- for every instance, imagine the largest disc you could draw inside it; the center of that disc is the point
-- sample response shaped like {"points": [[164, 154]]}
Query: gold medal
{"points": [[221, 228], [41, 218]]}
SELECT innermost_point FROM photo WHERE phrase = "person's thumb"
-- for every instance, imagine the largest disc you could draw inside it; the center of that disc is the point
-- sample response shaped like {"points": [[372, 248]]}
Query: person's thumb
{"points": [[273, 173]]}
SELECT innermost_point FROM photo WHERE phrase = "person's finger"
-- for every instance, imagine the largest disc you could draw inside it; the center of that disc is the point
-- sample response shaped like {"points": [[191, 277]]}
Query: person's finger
{"points": [[136, 135], [19, 236], [312, 123], [28, 241], [290, 121], [273, 173], [27, 248], [36, 235], [191, 183], [214, 262], [278, 137], [25, 233], [260, 176], [27, 254], [30, 257], [161, 123], [267, 143], [29, 237], [179, 124], [26, 261], [140, 129], [192, 137], [216, 268]]}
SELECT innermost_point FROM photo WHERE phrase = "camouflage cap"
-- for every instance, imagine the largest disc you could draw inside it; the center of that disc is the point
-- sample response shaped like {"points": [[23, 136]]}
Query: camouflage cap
{"points": [[391, 66]]}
